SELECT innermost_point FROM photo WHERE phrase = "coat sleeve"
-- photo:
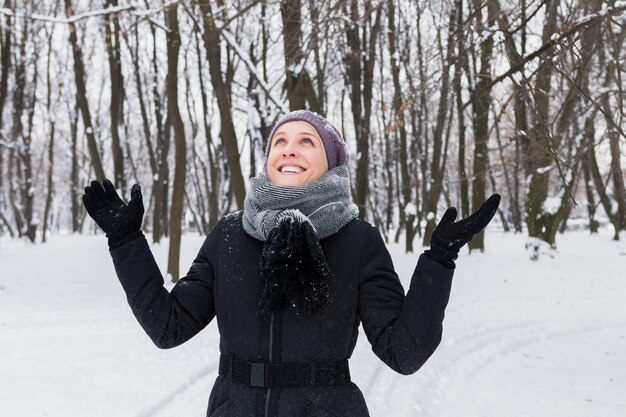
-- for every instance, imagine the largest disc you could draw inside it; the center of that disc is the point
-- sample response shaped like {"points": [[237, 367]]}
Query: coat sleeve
{"points": [[170, 319], [404, 331]]}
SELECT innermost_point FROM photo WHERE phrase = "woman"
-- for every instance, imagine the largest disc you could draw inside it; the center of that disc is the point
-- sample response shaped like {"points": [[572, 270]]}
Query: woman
{"points": [[290, 278]]}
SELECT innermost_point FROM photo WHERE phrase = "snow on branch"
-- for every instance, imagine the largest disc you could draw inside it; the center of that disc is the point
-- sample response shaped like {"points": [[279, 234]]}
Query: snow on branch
{"points": [[559, 36], [230, 39], [149, 12], [93, 13], [6, 144], [66, 20]]}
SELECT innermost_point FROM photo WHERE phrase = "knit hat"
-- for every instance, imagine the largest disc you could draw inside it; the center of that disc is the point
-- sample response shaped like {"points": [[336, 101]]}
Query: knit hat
{"points": [[334, 145]]}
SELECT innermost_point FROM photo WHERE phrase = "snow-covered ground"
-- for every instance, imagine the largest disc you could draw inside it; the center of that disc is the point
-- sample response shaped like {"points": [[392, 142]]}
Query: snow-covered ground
{"points": [[521, 338]]}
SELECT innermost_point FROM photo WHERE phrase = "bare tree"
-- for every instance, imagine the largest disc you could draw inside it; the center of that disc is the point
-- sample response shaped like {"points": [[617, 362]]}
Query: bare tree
{"points": [[112, 42], [360, 57], [437, 98], [614, 114], [439, 144], [481, 103], [5, 64], [176, 123], [407, 214], [81, 94], [299, 85], [220, 90]]}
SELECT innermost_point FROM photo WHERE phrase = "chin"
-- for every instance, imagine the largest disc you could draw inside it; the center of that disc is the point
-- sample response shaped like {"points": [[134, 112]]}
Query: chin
{"points": [[290, 182], [287, 180]]}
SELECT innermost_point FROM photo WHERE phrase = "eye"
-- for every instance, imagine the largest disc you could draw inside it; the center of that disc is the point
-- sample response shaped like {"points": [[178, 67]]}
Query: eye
{"points": [[308, 141], [279, 141]]}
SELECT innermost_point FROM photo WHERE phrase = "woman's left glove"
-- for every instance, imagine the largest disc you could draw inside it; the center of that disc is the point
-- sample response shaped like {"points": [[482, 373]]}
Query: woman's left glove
{"points": [[450, 236], [120, 221]]}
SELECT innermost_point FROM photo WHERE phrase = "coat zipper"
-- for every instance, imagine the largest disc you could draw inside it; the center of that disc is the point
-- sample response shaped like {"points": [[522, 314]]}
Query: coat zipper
{"points": [[269, 389]]}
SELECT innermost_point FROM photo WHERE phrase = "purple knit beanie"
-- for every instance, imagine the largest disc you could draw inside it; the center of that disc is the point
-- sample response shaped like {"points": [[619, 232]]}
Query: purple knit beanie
{"points": [[334, 145]]}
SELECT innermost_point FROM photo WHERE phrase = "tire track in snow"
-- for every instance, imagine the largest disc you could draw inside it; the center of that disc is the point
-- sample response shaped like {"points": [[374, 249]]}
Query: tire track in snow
{"points": [[487, 350], [444, 379]]}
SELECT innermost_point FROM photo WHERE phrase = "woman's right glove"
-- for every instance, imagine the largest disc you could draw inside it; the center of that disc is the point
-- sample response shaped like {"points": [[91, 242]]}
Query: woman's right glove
{"points": [[450, 236], [120, 221]]}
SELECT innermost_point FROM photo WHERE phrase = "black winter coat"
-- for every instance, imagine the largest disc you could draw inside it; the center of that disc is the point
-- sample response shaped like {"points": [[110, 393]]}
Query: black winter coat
{"points": [[225, 281]]}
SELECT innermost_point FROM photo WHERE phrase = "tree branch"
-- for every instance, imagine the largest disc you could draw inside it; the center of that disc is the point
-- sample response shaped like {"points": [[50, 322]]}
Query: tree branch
{"points": [[145, 13], [64, 20], [558, 37]]}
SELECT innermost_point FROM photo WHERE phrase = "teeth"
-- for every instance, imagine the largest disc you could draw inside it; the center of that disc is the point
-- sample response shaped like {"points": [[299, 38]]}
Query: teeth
{"points": [[291, 168]]}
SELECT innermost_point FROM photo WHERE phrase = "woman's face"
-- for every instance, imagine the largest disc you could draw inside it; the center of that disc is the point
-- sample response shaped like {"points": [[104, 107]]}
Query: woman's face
{"points": [[296, 155]]}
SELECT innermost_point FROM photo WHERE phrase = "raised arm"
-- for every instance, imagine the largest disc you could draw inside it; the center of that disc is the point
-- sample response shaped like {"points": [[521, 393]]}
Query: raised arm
{"points": [[405, 331], [170, 319]]}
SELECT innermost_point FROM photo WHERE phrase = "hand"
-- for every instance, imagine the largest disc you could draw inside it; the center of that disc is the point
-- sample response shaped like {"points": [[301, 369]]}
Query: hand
{"points": [[116, 218], [449, 236]]}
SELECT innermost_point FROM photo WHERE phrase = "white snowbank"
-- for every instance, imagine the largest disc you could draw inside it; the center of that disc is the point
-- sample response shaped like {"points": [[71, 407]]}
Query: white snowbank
{"points": [[521, 338]]}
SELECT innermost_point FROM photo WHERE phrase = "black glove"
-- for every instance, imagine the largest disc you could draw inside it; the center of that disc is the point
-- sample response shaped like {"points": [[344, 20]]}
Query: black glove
{"points": [[120, 222], [449, 237]]}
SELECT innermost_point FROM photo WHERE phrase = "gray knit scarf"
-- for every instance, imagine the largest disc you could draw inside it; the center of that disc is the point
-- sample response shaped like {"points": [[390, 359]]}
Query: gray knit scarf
{"points": [[326, 203], [291, 221]]}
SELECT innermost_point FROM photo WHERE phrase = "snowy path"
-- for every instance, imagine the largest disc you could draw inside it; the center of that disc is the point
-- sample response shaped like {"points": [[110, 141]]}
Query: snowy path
{"points": [[520, 338]]}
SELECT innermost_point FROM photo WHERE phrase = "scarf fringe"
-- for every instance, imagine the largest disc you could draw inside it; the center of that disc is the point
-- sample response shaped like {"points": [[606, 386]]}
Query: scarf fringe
{"points": [[294, 268]]}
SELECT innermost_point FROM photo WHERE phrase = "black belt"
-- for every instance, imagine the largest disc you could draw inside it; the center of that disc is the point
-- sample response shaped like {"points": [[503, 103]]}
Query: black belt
{"points": [[303, 374]]}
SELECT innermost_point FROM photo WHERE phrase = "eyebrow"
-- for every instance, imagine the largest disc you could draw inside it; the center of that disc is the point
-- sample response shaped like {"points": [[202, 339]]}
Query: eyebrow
{"points": [[299, 133]]}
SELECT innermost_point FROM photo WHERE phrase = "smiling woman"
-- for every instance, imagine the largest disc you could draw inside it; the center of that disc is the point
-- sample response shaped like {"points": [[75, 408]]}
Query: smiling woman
{"points": [[290, 279], [296, 155]]}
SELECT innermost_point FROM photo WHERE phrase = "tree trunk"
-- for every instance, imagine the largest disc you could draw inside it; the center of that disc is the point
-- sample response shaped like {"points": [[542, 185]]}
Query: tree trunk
{"points": [[112, 42], [49, 183], [161, 191], [142, 104], [5, 63], [28, 185], [520, 110], [81, 95], [318, 34], [5, 67], [407, 207], [229, 138], [160, 184], [299, 85], [613, 77], [176, 123], [542, 150], [359, 59], [74, 186], [437, 169], [538, 160], [591, 203], [13, 198], [599, 184], [481, 101], [619, 192], [459, 68], [50, 170], [211, 173], [18, 189], [353, 73]]}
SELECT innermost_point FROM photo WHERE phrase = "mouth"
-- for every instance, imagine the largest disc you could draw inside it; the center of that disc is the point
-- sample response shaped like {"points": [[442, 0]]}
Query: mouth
{"points": [[291, 169]]}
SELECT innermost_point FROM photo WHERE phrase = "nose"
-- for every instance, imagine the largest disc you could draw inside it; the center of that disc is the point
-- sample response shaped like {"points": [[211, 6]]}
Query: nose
{"points": [[290, 150]]}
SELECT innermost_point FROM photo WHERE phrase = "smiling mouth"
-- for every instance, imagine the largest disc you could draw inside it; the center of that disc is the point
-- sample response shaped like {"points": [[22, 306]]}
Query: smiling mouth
{"points": [[291, 169]]}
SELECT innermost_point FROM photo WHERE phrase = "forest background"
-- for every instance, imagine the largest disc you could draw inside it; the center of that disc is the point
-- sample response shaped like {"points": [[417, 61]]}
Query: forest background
{"points": [[441, 103]]}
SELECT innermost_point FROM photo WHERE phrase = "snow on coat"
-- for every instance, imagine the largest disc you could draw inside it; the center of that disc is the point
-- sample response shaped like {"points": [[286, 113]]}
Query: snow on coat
{"points": [[225, 282]]}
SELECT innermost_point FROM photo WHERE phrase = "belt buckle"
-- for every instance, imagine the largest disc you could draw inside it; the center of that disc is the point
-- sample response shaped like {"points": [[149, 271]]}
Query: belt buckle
{"points": [[258, 375]]}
